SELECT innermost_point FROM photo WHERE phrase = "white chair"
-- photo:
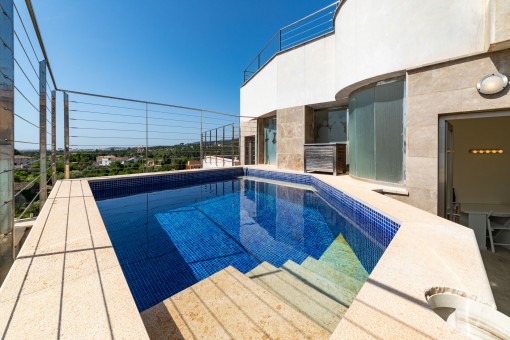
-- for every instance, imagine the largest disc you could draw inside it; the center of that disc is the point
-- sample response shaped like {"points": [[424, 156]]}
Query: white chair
{"points": [[497, 221]]}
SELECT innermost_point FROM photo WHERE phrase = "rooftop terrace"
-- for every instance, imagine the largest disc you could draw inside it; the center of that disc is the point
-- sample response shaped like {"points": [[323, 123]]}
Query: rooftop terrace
{"points": [[66, 278], [69, 268]]}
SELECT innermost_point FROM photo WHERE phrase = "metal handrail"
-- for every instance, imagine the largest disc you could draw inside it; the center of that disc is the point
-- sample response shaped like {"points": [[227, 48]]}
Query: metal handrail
{"points": [[316, 16]]}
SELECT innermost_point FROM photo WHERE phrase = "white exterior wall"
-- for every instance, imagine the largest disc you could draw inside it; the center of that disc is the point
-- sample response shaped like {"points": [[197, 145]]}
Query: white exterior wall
{"points": [[298, 77], [376, 37], [372, 38]]}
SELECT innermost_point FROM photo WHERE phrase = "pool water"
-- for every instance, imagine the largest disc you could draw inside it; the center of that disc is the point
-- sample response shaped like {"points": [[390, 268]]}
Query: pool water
{"points": [[168, 240]]}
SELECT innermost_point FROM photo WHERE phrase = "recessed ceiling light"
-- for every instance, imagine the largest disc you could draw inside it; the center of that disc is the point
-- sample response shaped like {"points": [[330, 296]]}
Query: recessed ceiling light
{"points": [[486, 151]]}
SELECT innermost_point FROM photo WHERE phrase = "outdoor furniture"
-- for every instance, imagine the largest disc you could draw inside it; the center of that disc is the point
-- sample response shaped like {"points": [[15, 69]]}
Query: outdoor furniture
{"points": [[497, 221], [477, 218], [326, 157]]}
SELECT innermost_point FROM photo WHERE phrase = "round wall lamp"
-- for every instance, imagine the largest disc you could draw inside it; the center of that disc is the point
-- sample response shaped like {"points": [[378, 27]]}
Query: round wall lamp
{"points": [[492, 83]]}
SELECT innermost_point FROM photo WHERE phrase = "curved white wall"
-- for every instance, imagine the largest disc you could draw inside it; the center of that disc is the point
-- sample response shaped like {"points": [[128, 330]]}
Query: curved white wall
{"points": [[301, 76], [372, 38], [375, 37]]}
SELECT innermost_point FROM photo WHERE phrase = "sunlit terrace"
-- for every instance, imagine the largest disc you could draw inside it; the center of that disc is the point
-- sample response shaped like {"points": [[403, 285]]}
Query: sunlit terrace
{"points": [[297, 218]]}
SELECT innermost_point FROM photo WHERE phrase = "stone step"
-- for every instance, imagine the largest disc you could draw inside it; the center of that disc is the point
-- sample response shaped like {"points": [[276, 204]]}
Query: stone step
{"points": [[228, 305], [328, 272], [304, 298], [329, 288], [341, 257]]}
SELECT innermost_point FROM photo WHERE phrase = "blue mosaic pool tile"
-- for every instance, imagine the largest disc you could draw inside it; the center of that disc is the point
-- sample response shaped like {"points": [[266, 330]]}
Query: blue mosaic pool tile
{"points": [[242, 222], [370, 223], [105, 188]]}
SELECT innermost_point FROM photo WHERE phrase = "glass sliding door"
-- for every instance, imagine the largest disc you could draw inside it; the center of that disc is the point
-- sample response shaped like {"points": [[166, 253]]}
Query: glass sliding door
{"points": [[365, 148], [389, 131], [376, 132], [270, 140]]}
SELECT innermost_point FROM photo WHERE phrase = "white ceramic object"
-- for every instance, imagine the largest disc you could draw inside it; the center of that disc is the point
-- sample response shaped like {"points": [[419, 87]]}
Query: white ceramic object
{"points": [[476, 319]]}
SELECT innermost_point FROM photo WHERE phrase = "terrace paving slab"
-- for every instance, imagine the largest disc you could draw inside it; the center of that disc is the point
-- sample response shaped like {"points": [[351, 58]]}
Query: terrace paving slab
{"points": [[66, 281]]}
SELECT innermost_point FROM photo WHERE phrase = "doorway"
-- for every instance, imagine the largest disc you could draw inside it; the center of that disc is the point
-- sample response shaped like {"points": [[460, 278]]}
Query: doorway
{"points": [[474, 158], [249, 150]]}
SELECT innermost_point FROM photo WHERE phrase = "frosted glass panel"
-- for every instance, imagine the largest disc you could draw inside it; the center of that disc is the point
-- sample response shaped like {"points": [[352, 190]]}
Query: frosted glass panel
{"points": [[376, 127], [330, 125], [365, 133], [352, 134], [389, 127]]}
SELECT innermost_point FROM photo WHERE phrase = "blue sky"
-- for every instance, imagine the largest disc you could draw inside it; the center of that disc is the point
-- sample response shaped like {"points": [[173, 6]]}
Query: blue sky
{"points": [[189, 53]]}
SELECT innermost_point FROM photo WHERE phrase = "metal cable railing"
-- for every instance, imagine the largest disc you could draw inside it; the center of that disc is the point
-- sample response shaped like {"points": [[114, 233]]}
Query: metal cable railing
{"points": [[312, 26], [103, 135], [32, 201], [133, 136], [25, 102]]}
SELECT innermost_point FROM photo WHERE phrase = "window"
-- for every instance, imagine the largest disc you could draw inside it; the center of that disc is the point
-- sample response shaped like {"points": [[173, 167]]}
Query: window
{"points": [[330, 125], [376, 132]]}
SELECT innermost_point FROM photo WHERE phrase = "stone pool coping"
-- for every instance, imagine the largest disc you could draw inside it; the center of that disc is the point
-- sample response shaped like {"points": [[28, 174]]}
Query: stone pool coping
{"points": [[68, 281]]}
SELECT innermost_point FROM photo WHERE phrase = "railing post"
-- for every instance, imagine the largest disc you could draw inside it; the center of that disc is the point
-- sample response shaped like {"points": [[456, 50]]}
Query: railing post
{"points": [[210, 143], [201, 143], [223, 146], [280, 34], [66, 136], [216, 147], [146, 134], [233, 147], [43, 190], [7, 120], [53, 138]]}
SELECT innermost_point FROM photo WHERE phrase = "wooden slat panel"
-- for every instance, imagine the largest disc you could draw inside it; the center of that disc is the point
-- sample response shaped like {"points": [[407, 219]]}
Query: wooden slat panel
{"points": [[321, 157]]}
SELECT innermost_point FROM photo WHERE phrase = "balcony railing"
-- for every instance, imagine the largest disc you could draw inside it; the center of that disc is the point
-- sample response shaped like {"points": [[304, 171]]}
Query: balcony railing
{"points": [[102, 135], [312, 26]]}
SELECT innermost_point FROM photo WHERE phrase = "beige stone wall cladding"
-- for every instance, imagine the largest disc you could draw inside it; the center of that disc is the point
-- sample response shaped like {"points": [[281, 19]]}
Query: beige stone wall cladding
{"points": [[248, 128], [447, 88], [500, 24], [295, 128]]}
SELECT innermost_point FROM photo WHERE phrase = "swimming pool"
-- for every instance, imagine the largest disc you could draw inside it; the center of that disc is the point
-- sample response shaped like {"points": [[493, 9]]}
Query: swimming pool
{"points": [[167, 240]]}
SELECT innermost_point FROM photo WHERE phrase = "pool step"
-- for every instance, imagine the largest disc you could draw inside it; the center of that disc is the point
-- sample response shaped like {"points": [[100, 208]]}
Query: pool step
{"points": [[306, 299], [341, 257], [326, 271], [332, 289], [228, 305]]}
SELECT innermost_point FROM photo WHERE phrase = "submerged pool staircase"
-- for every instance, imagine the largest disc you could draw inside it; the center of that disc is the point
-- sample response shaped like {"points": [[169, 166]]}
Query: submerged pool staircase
{"points": [[305, 300]]}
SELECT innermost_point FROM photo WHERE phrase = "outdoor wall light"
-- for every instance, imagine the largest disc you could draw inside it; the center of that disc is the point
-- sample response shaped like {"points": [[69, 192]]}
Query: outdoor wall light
{"points": [[492, 83], [486, 151]]}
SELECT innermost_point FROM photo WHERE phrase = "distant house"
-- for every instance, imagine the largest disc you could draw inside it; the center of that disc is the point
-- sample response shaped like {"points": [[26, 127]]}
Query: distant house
{"points": [[153, 162], [109, 159], [21, 162], [130, 160], [193, 165]]}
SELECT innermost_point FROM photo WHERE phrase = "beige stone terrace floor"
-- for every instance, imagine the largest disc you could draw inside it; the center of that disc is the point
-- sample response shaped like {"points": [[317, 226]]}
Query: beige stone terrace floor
{"points": [[67, 280], [497, 266]]}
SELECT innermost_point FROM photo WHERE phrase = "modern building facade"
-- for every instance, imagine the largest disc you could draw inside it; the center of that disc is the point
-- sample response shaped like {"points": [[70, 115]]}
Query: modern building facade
{"points": [[392, 79]]}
